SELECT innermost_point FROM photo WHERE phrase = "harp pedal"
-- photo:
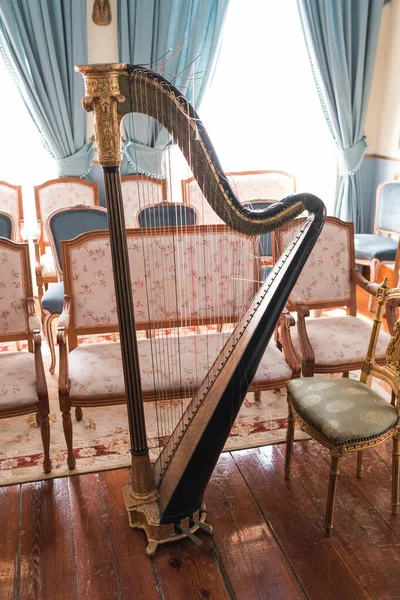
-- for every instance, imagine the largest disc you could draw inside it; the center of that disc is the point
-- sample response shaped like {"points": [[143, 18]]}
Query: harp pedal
{"points": [[188, 533], [203, 526], [206, 511]]}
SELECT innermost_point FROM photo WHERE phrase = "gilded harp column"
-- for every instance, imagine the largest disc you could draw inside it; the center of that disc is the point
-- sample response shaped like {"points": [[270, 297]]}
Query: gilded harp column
{"points": [[102, 98]]}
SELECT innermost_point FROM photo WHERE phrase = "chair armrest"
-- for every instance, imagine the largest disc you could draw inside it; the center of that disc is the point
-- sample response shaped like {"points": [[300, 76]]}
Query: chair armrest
{"points": [[34, 325], [62, 340], [38, 266], [35, 330], [286, 321], [296, 304], [308, 357], [360, 280]]}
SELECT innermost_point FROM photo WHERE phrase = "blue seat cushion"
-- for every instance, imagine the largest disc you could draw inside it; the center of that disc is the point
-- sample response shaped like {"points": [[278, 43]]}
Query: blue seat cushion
{"points": [[53, 298], [368, 246], [265, 271]]}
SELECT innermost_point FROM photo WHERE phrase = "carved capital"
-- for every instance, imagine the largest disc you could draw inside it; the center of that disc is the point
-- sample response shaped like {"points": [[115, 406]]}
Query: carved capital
{"points": [[102, 98]]}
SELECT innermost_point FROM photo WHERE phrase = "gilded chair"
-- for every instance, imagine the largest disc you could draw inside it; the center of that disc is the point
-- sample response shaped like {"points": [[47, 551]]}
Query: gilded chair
{"points": [[11, 203], [167, 214], [90, 309], [53, 194], [348, 416], [337, 343], [7, 227], [139, 191], [380, 248], [23, 387], [65, 224]]}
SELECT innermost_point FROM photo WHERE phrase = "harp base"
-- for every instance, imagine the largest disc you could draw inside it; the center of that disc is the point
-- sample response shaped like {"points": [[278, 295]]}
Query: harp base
{"points": [[146, 515]]}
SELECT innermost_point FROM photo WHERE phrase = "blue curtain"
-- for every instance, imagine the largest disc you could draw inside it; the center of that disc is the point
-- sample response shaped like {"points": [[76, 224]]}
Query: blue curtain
{"points": [[166, 35], [342, 38], [41, 42]]}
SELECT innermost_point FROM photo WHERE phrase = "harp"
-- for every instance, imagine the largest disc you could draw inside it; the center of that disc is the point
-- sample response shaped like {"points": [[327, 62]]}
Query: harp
{"points": [[166, 499]]}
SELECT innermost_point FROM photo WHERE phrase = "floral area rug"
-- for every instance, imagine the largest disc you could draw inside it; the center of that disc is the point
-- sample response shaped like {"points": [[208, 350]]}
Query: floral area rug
{"points": [[101, 439]]}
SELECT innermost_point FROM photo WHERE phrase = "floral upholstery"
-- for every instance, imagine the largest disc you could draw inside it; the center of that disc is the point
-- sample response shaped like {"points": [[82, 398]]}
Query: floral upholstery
{"points": [[342, 410], [326, 275], [13, 314], [214, 272], [138, 193], [63, 193], [339, 340], [261, 186], [198, 353], [17, 380], [9, 202], [247, 186]]}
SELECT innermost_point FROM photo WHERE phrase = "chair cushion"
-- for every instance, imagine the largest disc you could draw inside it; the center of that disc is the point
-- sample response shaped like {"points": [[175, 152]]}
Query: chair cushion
{"points": [[368, 246], [339, 340], [341, 410], [17, 380], [47, 265], [53, 298], [96, 369]]}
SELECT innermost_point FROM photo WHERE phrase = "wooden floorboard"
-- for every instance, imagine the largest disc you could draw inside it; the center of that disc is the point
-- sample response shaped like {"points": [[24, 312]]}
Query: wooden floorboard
{"points": [[69, 538], [9, 541], [252, 558]]}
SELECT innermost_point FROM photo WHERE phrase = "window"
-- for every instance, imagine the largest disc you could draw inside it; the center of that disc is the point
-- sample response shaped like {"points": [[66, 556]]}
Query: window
{"points": [[262, 110], [23, 159]]}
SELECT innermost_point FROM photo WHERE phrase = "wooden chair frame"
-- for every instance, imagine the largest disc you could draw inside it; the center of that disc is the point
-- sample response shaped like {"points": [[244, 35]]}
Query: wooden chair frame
{"points": [[296, 304], [40, 406], [390, 373], [40, 243], [19, 222], [68, 334], [47, 317]]}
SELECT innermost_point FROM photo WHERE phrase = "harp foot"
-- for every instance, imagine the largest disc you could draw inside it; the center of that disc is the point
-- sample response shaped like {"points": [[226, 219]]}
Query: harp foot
{"points": [[145, 514]]}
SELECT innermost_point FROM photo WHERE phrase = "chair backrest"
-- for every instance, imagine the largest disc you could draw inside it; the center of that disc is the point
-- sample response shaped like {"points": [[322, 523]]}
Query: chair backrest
{"points": [[326, 277], [7, 226], [68, 223], [167, 214], [59, 193], [15, 289], [139, 191], [268, 186], [213, 286], [11, 203], [387, 217]]}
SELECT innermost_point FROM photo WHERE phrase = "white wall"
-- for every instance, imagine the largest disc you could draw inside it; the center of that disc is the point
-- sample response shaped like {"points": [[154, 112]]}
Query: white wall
{"points": [[383, 117]]}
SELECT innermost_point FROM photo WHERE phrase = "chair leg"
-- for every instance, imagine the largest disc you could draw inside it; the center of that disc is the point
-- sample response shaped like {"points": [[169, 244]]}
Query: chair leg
{"points": [[257, 396], [67, 426], [395, 473], [45, 432], [38, 418], [47, 320], [345, 374], [289, 443], [18, 345], [360, 467], [334, 472], [78, 413]]}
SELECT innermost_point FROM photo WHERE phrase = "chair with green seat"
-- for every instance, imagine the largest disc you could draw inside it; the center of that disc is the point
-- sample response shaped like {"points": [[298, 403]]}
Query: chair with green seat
{"points": [[7, 226], [380, 248], [65, 224], [348, 416], [167, 214]]}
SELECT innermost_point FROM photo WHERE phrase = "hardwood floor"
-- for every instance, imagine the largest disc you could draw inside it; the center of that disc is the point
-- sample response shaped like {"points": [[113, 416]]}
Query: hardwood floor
{"points": [[69, 539]]}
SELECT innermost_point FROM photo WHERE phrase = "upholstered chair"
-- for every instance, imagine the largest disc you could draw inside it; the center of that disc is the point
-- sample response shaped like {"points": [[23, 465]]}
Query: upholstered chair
{"points": [[23, 387], [348, 416], [65, 224], [167, 214], [139, 191], [380, 248], [11, 204], [90, 308], [7, 226], [337, 343], [53, 194]]}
